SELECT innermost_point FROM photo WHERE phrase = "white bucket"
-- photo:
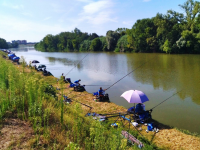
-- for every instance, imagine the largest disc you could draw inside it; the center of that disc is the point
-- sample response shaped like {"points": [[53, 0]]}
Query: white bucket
{"points": [[135, 124]]}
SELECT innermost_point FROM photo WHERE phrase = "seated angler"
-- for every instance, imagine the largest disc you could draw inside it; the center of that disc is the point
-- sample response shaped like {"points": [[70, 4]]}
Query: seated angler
{"points": [[63, 77], [101, 93], [45, 71], [77, 82], [140, 108], [131, 110]]}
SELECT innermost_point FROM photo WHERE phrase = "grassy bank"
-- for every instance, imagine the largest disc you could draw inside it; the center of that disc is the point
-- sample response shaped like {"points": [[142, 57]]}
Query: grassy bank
{"points": [[26, 96]]}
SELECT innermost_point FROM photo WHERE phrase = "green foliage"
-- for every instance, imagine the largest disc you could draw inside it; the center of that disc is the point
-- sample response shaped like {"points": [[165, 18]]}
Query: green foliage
{"points": [[85, 45], [66, 41], [103, 43], [121, 31], [122, 44], [112, 38], [3, 44], [172, 32], [60, 126], [166, 47], [95, 45], [13, 45], [49, 89]]}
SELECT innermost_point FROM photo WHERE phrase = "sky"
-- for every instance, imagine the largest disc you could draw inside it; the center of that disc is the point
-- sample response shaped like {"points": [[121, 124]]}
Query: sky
{"points": [[32, 20]]}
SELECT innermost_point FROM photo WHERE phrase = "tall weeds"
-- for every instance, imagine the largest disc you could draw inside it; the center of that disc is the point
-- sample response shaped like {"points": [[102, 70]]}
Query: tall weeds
{"points": [[58, 125]]}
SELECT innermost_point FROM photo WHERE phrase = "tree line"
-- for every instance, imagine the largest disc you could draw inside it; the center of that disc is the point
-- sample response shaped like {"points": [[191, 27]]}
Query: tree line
{"points": [[5, 45], [172, 32]]}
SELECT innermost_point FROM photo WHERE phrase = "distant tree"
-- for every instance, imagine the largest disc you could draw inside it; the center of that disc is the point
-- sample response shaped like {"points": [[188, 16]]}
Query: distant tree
{"points": [[95, 45], [77, 31], [85, 45], [93, 36], [3, 44], [121, 31], [103, 43], [122, 44], [112, 38], [192, 10]]}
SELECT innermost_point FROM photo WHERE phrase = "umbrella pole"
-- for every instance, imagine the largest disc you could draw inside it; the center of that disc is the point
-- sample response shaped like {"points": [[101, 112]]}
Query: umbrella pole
{"points": [[129, 129], [134, 112]]}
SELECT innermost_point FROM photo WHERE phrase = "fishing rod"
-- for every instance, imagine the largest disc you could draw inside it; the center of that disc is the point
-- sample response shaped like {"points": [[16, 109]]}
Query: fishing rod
{"points": [[78, 101], [126, 75], [82, 104], [166, 99], [96, 85], [76, 64], [75, 100], [114, 113], [119, 115]]}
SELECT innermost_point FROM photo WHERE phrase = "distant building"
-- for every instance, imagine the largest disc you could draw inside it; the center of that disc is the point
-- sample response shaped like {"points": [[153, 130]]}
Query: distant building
{"points": [[20, 41]]}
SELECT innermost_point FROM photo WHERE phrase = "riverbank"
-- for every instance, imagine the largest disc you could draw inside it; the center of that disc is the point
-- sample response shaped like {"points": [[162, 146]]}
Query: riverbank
{"points": [[166, 138]]}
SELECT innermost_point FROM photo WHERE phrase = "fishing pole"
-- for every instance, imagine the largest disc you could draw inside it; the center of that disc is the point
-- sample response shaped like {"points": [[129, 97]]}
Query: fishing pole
{"points": [[119, 115], [166, 99], [76, 64], [78, 101], [82, 104], [114, 113], [96, 85], [126, 75]]}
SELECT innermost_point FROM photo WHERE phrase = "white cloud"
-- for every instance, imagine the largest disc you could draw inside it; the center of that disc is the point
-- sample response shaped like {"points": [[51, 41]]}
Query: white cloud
{"points": [[85, 1], [57, 8], [27, 14], [146, 0], [17, 6], [12, 6], [47, 18], [98, 12], [95, 7], [15, 26]]}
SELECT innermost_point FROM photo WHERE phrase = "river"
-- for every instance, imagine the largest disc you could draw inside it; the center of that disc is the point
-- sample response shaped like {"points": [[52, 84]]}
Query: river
{"points": [[159, 77]]}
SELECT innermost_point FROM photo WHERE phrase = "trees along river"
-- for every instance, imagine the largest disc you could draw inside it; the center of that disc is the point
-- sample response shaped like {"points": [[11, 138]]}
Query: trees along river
{"points": [[162, 76], [173, 32]]}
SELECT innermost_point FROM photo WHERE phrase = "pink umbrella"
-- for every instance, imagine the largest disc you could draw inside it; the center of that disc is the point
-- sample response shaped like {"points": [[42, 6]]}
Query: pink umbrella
{"points": [[135, 96]]}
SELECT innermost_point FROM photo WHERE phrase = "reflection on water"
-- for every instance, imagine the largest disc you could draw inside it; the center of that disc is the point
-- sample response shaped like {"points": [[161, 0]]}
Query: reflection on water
{"points": [[159, 77], [170, 72]]}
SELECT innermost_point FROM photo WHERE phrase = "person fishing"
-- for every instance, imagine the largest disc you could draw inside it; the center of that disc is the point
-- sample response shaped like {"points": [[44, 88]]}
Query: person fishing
{"points": [[77, 82], [140, 108], [63, 77], [101, 93], [45, 71]]}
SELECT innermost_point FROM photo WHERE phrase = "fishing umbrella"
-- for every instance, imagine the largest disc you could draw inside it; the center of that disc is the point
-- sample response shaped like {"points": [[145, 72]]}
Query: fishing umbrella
{"points": [[35, 61], [10, 55], [16, 58], [135, 96], [41, 66]]}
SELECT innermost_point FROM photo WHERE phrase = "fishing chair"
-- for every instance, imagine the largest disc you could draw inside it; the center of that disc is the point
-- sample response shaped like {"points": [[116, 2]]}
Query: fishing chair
{"points": [[144, 117]]}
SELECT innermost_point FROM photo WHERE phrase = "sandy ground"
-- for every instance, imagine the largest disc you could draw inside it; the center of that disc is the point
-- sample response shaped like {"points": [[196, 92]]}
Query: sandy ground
{"points": [[15, 134]]}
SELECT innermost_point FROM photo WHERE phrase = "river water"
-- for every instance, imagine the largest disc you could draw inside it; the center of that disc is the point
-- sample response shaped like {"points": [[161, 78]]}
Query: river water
{"points": [[159, 77]]}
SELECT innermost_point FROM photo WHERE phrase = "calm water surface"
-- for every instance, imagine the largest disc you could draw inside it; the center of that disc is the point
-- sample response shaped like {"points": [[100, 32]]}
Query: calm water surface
{"points": [[159, 78]]}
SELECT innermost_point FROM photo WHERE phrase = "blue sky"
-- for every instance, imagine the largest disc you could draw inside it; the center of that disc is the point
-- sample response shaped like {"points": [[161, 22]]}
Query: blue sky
{"points": [[33, 19]]}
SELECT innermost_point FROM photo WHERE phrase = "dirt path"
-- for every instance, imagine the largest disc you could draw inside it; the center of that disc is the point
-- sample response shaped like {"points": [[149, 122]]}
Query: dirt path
{"points": [[15, 134]]}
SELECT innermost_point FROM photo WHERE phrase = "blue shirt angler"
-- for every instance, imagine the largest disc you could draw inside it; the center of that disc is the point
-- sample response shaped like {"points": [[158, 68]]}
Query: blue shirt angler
{"points": [[77, 82], [101, 91]]}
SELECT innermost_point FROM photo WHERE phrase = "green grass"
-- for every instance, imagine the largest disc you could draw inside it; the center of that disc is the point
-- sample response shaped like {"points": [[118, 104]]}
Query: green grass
{"points": [[55, 124]]}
